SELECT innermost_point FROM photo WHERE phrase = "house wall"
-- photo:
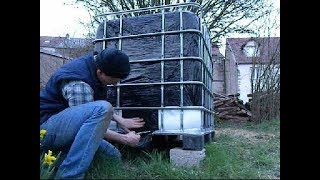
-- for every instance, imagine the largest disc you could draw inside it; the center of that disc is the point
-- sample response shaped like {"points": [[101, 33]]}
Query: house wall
{"points": [[244, 81], [48, 65], [218, 76]]}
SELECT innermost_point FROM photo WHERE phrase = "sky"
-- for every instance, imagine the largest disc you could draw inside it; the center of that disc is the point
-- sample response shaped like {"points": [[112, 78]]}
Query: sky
{"points": [[61, 17], [57, 19]]}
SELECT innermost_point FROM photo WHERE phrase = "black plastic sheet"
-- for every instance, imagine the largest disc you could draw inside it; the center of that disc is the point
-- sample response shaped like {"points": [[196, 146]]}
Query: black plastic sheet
{"points": [[143, 48]]}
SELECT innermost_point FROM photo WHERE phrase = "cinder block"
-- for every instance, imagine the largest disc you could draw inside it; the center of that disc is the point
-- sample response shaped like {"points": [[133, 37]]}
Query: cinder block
{"points": [[186, 158], [193, 142]]}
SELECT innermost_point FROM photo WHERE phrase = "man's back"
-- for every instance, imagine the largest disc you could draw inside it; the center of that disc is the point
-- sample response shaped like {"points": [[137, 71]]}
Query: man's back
{"points": [[51, 99]]}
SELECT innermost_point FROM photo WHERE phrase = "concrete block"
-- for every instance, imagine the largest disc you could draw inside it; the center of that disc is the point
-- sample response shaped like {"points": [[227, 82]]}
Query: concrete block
{"points": [[186, 158]]}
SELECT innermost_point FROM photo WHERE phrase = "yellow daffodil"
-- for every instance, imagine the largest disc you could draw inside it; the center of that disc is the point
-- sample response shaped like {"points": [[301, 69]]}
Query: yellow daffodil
{"points": [[42, 133], [48, 158]]}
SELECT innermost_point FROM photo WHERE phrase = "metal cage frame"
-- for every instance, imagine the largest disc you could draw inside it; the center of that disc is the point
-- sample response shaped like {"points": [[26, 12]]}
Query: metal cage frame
{"points": [[204, 57]]}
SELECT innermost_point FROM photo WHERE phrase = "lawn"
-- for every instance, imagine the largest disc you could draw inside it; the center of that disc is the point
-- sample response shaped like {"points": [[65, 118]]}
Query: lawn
{"points": [[239, 150]]}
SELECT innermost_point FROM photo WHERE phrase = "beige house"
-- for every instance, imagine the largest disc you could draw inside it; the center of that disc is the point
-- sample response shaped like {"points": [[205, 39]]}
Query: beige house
{"points": [[241, 54]]}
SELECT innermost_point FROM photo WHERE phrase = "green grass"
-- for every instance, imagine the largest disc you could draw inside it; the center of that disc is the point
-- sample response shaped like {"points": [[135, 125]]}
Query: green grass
{"points": [[245, 150]]}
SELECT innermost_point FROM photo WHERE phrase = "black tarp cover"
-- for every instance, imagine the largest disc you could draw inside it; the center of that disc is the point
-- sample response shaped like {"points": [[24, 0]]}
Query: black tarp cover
{"points": [[141, 48]]}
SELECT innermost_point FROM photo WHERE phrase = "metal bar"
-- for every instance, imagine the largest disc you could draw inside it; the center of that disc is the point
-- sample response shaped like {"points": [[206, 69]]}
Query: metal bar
{"points": [[153, 8], [150, 34], [181, 69], [204, 44], [208, 98], [204, 120], [207, 120], [201, 119], [205, 82], [186, 132], [167, 59], [211, 88], [165, 108], [202, 88], [120, 31], [120, 47], [168, 83], [203, 36], [201, 56], [202, 66], [208, 83], [212, 105], [207, 48], [104, 34], [162, 67], [159, 83], [209, 91], [205, 53]]}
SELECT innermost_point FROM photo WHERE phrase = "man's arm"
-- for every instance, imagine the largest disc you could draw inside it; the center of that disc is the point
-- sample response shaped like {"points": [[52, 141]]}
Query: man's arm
{"points": [[77, 92], [117, 118], [132, 139]]}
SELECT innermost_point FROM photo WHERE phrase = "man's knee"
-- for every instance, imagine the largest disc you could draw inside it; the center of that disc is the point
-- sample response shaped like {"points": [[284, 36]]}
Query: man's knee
{"points": [[109, 150], [103, 106], [117, 155]]}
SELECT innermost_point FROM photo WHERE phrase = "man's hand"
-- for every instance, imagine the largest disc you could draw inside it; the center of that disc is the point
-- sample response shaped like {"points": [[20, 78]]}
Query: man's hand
{"points": [[131, 123], [132, 139]]}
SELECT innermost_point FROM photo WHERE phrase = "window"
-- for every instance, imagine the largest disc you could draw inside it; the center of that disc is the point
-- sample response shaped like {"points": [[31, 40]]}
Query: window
{"points": [[251, 49]]}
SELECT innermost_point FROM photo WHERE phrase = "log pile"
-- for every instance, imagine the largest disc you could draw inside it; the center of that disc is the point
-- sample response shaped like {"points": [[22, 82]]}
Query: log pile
{"points": [[229, 108]]}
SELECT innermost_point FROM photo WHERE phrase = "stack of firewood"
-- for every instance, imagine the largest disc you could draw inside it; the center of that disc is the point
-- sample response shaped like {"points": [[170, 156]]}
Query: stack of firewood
{"points": [[230, 108]]}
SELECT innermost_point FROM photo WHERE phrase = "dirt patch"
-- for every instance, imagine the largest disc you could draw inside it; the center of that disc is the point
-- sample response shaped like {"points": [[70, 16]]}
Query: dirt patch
{"points": [[250, 135]]}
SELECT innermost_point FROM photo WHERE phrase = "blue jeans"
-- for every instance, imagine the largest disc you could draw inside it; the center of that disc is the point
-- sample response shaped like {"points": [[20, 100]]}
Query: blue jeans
{"points": [[78, 131]]}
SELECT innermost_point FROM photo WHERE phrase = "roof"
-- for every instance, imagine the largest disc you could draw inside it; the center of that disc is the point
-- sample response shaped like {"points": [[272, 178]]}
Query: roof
{"points": [[65, 47], [51, 53], [64, 42], [269, 48], [216, 52]]}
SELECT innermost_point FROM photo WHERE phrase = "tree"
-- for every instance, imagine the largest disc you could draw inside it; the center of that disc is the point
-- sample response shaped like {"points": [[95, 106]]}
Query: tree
{"points": [[222, 16], [265, 75]]}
